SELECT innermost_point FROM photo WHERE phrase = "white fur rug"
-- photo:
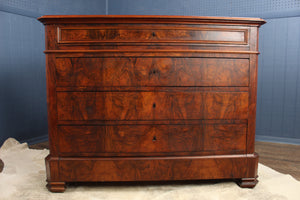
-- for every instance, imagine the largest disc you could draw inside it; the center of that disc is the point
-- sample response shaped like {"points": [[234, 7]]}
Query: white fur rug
{"points": [[23, 177]]}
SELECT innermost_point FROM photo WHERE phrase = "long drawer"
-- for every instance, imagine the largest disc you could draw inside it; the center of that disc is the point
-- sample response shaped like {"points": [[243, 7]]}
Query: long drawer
{"points": [[151, 34], [152, 105], [144, 139], [145, 71]]}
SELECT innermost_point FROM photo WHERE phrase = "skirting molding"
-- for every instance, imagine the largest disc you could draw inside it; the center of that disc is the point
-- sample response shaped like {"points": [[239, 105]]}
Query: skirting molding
{"points": [[35, 140], [265, 138]]}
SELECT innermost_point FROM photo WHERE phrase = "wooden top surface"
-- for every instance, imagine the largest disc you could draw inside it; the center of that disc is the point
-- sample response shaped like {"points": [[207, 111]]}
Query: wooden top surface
{"points": [[50, 19]]}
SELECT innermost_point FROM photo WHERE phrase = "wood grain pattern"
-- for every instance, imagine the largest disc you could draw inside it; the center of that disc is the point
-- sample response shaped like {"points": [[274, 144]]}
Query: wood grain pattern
{"points": [[122, 140], [51, 104], [150, 34], [163, 71], [141, 98], [152, 169], [278, 157], [274, 155], [151, 105], [252, 92]]}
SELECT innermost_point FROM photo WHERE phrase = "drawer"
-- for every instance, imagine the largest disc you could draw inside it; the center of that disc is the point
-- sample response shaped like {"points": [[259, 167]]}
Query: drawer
{"points": [[147, 71], [154, 34], [152, 105], [143, 139]]}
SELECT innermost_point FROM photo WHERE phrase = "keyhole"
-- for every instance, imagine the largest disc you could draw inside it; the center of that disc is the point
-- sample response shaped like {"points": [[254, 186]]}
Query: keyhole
{"points": [[153, 34], [154, 105], [154, 138], [154, 72]]}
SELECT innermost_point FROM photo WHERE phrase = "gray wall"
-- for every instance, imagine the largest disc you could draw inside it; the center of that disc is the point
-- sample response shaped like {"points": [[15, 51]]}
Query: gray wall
{"points": [[278, 100], [22, 78], [23, 112], [23, 106]]}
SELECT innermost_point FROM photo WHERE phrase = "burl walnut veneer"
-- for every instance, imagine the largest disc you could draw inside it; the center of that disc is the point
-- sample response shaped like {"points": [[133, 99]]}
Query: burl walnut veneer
{"points": [[151, 98]]}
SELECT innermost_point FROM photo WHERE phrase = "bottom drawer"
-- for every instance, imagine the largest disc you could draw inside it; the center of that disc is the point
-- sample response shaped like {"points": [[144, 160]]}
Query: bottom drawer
{"points": [[143, 140], [157, 168]]}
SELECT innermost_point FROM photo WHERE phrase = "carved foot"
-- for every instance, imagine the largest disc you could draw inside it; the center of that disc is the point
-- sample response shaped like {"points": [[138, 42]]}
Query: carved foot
{"points": [[56, 186], [247, 182], [1, 165]]}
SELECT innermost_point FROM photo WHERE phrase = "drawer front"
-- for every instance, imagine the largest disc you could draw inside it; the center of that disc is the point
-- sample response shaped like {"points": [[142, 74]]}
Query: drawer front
{"points": [[151, 105], [141, 139], [143, 71], [136, 34]]}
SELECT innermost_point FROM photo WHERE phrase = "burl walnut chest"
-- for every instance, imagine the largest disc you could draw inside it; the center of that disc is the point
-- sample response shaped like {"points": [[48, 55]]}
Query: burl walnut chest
{"points": [[151, 98]]}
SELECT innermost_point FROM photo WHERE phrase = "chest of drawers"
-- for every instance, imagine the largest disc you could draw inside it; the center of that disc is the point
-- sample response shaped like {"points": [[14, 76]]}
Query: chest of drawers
{"points": [[151, 98]]}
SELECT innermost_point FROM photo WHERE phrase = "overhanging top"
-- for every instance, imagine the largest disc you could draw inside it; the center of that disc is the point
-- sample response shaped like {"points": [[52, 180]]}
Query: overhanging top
{"points": [[52, 19]]}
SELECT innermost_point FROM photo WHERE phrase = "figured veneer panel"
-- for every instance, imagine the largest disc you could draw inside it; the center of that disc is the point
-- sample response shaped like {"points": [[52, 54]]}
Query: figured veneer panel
{"points": [[74, 138], [225, 137], [151, 34], [139, 139], [151, 105], [152, 168], [141, 71]]}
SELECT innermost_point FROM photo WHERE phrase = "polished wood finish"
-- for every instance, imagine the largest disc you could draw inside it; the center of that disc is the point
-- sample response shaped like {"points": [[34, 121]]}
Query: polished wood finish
{"points": [[153, 168], [151, 105], [148, 98], [274, 155], [141, 71], [127, 140], [56, 186], [144, 34]]}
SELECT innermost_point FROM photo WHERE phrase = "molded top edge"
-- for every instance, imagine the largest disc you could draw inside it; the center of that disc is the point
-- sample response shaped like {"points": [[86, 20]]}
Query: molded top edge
{"points": [[50, 19]]}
